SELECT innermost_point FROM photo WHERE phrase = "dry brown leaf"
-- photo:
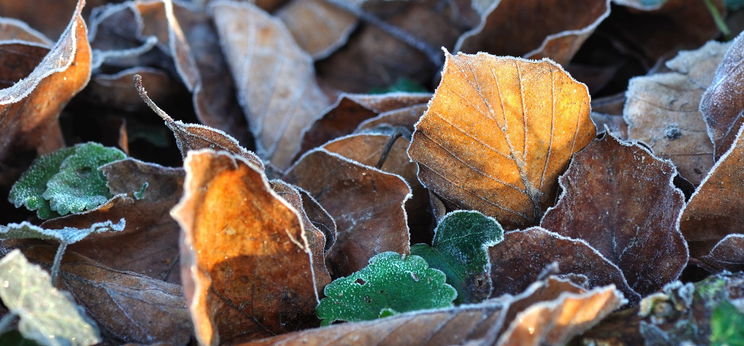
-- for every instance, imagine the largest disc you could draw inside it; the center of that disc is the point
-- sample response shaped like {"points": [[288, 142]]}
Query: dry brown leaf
{"points": [[14, 29], [246, 262], [728, 253], [535, 29], [497, 134], [405, 117], [318, 26], [523, 255], [149, 243], [349, 111], [275, 78], [319, 217], [556, 322], [50, 17], [29, 108], [621, 199], [366, 203], [662, 110], [614, 123], [115, 90], [128, 307], [722, 104], [714, 210]]}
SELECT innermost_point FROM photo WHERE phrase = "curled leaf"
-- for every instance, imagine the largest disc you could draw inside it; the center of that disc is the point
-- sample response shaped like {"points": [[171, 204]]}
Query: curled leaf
{"points": [[66, 235]]}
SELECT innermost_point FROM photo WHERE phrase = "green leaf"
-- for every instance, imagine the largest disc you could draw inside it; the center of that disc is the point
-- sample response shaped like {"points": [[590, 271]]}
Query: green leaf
{"points": [[389, 284], [67, 235], [28, 189], [47, 315], [727, 325], [460, 250]]}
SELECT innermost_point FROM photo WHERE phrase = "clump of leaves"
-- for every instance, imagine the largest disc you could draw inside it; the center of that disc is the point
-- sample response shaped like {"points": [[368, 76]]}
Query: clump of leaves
{"points": [[392, 283], [460, 250], [65, 181]]}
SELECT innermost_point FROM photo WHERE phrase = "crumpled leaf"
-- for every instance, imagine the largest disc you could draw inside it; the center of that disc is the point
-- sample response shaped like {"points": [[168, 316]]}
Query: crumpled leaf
{"points": [[519, 260], [722, 104], [535, 29], [14, 29], [280, 97], [367, 204], [66, 235], [485, 143], [246, 262], [460, 250], [318, 26], [390, 284], [621, 200], [30, 107], [713, 210], [662, 110], [47, 315]]}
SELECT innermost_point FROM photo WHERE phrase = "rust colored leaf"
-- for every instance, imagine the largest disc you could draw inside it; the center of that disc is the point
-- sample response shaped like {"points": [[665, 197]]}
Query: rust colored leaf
{"points": [[405, 117], [128, 307], [246, 262], [621, 200], [275, 78], [728, 253], [556, 322], [349, 111], [14, 29], [535, 29], [662, 110], [29, 108], [149, 243], [523, 255], [497, 134], [722, 104], [714, 210], [319, 217], [366, 203], [318, 27]]}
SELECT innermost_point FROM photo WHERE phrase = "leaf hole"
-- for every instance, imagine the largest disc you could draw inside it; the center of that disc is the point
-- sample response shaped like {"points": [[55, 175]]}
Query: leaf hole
{"points": [[360, 282]]}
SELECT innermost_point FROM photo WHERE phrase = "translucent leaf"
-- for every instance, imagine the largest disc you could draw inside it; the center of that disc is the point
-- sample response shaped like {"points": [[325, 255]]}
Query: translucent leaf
{"points": [[28, 189], [66, 235], [47, 315], [390, 283], [460, 250]]}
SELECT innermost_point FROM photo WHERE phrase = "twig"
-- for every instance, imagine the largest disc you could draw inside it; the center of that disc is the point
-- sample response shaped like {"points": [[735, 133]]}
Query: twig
{"points": [[720, 23]]}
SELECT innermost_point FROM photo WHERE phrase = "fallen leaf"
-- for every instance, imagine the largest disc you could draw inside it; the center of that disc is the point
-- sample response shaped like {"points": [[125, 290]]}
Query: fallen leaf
{"points": [[535, 29], [662, 110], [115, 90], [366, 203], [614, 123], [722, 104], [727, 254], [280, 97], [47, 315], [460, 250], [711, 213], [405, 117], [246, 263], [318, 26], [621, 199], [390, 284], [14, 29], [66, 235], [485, 142], [29, 108], [319, 217], [518, 261]]}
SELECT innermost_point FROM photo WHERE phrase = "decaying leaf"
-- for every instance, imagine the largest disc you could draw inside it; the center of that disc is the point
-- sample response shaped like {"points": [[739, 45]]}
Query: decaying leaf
{"points": [[460, 250], [14, 29], [621, 200], [406, 117], [275, 78], [47, 315], [713, 211], [722, 104], [29, 108], [519, 260], [497, 134], [366, 203], [246, 263], [390, 284], [535, 29], [662, 110], [727, 254], [318, 26]]}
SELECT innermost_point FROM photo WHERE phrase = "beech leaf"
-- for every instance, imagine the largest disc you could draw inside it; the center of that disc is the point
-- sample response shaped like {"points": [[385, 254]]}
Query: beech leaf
{"points": [[392, 283], [48, 316], [460, 250]]}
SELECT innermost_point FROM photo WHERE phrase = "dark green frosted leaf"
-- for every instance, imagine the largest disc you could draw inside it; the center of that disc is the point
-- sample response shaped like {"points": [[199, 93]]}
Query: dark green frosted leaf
{"points": [[391, 283], [28, 189], [67, 235], [460, 250], [47, 315]]}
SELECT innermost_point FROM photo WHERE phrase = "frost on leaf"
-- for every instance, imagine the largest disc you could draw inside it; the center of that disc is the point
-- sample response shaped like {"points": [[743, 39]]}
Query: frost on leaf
{"points": [[66, 181], [47, 315], [497, 134], [65, 235], [460, 250], [392, 283]]}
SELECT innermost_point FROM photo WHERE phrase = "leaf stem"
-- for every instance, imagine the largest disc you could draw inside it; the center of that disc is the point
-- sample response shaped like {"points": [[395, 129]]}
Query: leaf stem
{"points": [[7, 321], [137, 80], [718, 19], [58, 261]]}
